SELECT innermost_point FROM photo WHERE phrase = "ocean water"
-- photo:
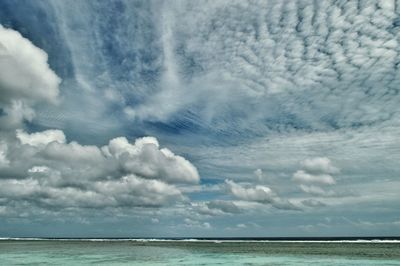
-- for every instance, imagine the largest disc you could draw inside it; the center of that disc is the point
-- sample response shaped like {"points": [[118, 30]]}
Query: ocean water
{"points": [[85, 252]]}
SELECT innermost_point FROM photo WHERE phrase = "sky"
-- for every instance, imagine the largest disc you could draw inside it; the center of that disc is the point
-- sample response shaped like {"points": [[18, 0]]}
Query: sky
{"points": [[199, 118]]}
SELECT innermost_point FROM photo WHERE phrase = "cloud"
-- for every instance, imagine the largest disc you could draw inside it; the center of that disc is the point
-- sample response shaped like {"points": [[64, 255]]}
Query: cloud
{"points": [[316, 170], [25, 78], [260, 194], [146, 159], [214, 208], [257, 85], [319, 165], [196, 224], [279, 66], [241, 226], [134, 191], [304, 177], [313, 203], [128, 191], [3, 155], [316, 190], [224, 206], [143, 158], [44, 169], [40, 138], [259, 174]]}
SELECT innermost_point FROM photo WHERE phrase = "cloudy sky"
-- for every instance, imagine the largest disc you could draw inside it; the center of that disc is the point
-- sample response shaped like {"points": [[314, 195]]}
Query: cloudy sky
{"points": [[199, 118]]}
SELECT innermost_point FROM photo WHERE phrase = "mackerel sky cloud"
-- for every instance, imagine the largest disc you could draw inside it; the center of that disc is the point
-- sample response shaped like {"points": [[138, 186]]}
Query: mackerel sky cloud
{"points": [[183, 118]]}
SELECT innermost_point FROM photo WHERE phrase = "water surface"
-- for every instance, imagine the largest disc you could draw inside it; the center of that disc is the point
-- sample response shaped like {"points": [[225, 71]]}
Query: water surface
{"points": [[85, 252]]}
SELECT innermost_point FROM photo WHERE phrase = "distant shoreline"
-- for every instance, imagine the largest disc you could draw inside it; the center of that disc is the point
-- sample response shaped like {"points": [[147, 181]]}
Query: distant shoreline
{"points": [[394, 239]]}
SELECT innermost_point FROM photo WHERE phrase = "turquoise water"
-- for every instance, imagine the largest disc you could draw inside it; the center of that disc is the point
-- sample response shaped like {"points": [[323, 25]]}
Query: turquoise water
{"points": [[58, 252]]}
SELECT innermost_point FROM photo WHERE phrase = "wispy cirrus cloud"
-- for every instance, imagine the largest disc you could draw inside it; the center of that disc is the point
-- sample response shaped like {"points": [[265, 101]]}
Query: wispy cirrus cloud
{"points": [[304, 92], [44, 170]]}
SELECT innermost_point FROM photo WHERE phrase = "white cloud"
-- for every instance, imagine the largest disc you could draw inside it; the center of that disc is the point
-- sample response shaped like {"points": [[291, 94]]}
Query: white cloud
{"points": [[143, 158], [321, 63], [40, 138], [224, 206], [302, 176], [200, 210], [316, 170], [259, 174], [314, 78], [146, 159], [25, 78], [3, 155], [43, 169], [319, 165], [260, 194], [134, 191]]}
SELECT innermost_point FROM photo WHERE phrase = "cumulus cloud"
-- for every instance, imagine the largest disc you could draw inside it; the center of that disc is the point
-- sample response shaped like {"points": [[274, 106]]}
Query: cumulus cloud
{"points": [[314, 175], [319, 165], [224, 206], [43, 168], [305, 177], [25, 78], [143, 158], [40, 138], [260, 194], [134, 191], [315, 77], [316, 170], [146, 159], [128, 191], [214, 208]]}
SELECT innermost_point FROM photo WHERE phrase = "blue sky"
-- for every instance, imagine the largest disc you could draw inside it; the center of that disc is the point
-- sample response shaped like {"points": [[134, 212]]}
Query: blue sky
{"points": [[206, 118]]}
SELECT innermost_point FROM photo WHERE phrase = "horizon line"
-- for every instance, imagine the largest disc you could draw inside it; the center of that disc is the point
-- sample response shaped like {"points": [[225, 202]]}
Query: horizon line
{"points": [[310, 238]]}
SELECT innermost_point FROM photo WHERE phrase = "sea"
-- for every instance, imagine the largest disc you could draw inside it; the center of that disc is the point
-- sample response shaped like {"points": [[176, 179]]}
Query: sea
{"points": [[44, 251]]}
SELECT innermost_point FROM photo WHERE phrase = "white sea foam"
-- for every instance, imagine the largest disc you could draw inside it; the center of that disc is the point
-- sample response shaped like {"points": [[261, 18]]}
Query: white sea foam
{"points": [[199, 240]]}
